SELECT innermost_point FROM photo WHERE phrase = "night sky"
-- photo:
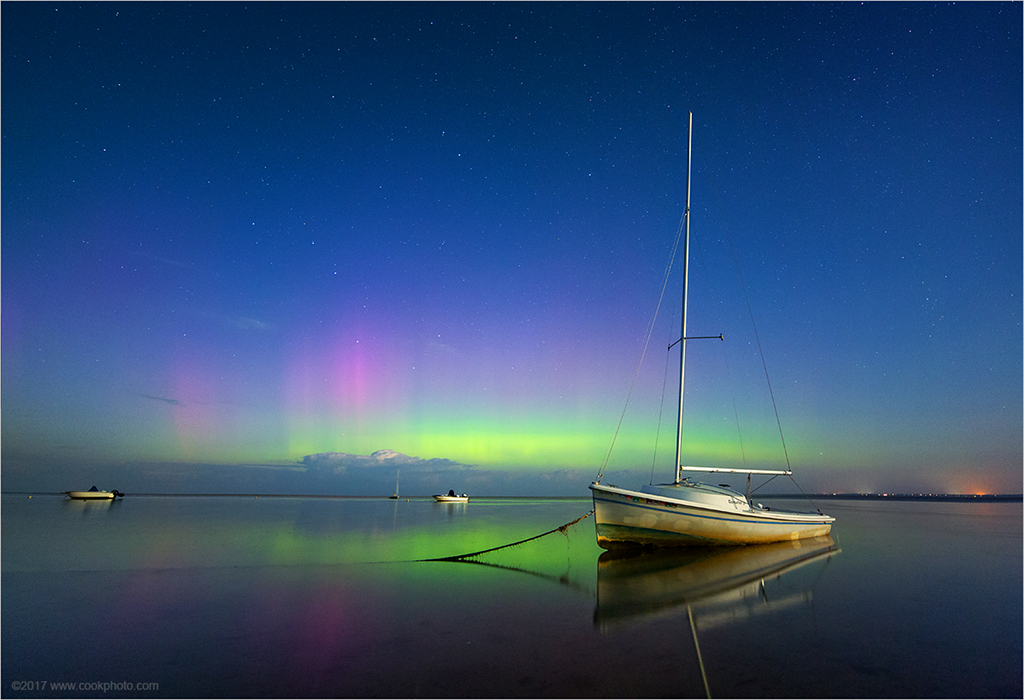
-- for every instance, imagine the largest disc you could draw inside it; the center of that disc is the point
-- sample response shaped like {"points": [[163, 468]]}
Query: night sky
{"points": [[244, 246]]}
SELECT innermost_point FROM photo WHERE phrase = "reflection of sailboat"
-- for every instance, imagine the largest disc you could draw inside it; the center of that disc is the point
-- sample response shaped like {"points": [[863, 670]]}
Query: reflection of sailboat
{"points": [[725, 585], [92, 506], [693, 513], [636, 584], [397, 474]]}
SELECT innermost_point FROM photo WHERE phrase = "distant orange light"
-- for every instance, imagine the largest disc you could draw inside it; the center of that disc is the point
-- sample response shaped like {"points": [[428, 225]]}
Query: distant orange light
{"points": [[974, 484]]}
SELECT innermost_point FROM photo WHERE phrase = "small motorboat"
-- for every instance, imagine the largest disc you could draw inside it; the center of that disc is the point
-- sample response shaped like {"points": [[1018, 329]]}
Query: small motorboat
{"points": [[94, 494], [451, 498]]}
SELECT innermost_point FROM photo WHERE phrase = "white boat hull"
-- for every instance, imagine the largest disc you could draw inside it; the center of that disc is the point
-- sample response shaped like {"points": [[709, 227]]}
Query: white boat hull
{"points": [[451, 499], [91, 495], [626, 518]]}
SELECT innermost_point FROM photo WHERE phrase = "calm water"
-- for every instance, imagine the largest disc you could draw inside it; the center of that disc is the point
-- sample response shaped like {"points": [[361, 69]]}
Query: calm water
{"points": [[292, 597]]}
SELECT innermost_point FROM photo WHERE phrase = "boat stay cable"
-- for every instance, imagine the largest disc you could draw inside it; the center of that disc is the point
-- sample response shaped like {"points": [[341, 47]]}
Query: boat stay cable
{"points": [[643, 352], [753, 324], [661, 413], [717, 322], [746, 298]]}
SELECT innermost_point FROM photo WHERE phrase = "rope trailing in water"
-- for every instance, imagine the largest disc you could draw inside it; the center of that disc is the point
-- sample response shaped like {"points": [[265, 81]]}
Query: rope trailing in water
{"points": [[563, 529]]}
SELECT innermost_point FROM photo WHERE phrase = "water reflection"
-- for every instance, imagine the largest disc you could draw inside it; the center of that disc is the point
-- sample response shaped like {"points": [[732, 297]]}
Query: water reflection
{"points": [[728, 584], [562, 579], [310, 597], [723, 585], [85, 508], [452, 509]]}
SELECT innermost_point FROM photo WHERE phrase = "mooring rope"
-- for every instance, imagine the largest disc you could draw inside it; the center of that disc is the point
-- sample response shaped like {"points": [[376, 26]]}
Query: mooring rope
{"points": [[562, 529]]}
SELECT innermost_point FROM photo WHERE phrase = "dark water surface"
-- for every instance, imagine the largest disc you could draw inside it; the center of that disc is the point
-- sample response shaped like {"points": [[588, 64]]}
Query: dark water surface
{"points": [[294, 597]]}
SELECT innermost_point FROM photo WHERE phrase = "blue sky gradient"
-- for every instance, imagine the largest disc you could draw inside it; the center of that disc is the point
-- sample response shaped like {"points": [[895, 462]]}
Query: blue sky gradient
{"points": [[235, 237]]}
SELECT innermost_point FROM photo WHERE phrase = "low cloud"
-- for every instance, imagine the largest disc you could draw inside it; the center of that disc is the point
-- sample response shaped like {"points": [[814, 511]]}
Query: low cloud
{"points": [[173, 402], [165, 261], [342, 462], [250, 324]]}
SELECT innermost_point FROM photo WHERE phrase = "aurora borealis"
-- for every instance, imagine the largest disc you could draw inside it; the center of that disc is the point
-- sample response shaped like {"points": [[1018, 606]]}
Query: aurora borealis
{"points": [[241, 235]]}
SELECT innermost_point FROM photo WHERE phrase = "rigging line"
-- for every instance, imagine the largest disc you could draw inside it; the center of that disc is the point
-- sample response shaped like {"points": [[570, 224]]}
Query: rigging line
{"points": [[661, 406], [661, 412], [765, 484], [746, 297], [814, 585], [643, 353], [805, 495], [725, 355], [821, 571], [561, 528], [735, 408]]}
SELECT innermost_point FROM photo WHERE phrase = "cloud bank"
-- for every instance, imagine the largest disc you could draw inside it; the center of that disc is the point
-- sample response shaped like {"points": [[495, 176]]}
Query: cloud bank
{"points": [[342, 462]]}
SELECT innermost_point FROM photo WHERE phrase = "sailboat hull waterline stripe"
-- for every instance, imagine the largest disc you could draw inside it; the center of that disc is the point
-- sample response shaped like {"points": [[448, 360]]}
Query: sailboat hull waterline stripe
{"points": [[629, 519]]}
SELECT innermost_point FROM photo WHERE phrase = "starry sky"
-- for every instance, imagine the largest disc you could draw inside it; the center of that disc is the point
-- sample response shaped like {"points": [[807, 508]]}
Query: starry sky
{"points": [[300, 247]]}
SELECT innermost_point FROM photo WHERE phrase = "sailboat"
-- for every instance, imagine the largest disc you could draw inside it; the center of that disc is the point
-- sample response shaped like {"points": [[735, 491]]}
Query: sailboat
{"points": [[397, 474], [688, 512]]}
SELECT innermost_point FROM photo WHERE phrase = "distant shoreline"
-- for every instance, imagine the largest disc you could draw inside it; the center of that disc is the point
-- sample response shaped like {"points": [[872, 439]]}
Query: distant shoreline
{"points": [[947, 497], [958, 497]]}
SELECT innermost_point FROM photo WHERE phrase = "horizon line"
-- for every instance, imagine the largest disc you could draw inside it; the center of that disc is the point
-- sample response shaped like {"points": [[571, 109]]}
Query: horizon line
{"points": [[836, 495]]}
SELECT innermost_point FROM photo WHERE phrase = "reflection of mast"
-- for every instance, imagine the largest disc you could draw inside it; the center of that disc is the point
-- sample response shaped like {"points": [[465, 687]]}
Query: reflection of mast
{"points": [[700, 661]]}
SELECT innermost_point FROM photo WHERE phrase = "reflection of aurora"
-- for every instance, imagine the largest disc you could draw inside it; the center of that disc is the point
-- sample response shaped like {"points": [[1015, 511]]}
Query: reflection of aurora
{"points": [[183, 590], [156, 533]]}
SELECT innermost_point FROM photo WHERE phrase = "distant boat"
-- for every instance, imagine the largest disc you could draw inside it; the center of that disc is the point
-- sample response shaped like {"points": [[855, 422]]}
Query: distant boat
{"points": [[396, 485], [451, 498], [94, 494], [692, 513]]}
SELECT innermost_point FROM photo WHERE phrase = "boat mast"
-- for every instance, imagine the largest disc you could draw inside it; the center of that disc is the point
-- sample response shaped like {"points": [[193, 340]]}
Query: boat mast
{"points": [[682, 335]]}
